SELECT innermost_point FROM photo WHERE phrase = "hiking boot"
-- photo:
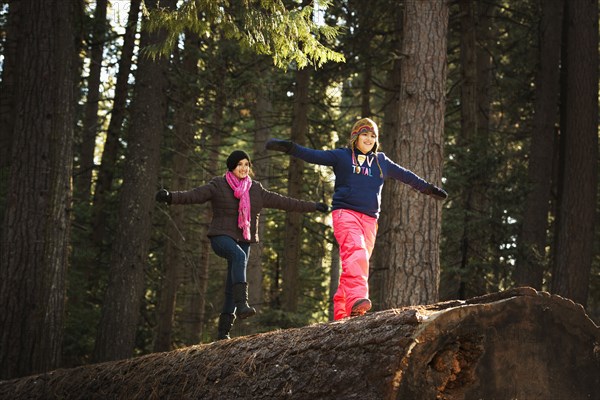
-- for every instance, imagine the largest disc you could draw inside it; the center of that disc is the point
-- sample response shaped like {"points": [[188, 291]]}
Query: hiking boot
{"points": [[360, 307], [225, 325], [240, 297]]}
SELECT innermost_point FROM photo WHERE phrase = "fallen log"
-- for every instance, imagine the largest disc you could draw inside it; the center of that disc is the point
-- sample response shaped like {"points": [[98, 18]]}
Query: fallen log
{"points": [[517, 344]]}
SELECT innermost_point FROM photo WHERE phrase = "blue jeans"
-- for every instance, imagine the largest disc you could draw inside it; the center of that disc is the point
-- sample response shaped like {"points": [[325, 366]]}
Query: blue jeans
{"points": [[236, 255]]}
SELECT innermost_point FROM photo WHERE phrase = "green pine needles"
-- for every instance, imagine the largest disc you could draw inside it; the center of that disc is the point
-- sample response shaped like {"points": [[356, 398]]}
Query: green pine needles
{"points": [[288, 35]]}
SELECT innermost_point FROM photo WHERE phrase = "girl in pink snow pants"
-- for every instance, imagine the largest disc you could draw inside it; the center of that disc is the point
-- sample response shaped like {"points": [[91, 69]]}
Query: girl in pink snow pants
{"points": [[359, 174], [355, 233]]}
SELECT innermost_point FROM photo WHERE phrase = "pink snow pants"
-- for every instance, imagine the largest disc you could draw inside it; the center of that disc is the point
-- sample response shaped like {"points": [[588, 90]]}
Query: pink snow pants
{"points": [[355, 233]]}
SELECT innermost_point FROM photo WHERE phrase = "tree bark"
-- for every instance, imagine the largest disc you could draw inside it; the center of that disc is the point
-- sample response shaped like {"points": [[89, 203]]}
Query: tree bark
{"points": [[475, 64], [293, 220], [120, 312], [184, 131], [486, 37], [574, 236], [468, 138], [378, 265], [114, 133], [410, 224], [363, 25], [515, 344], [36, 225], [263, 120], [91, 123], [12, 38], [532, 258]]}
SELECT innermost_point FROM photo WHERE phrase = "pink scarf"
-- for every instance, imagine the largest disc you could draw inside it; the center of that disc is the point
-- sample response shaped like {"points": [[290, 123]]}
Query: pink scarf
{"points": [[241, 190]]}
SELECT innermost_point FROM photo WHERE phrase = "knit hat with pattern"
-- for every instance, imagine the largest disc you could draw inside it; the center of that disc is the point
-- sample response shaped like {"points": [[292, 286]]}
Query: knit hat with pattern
{"points": [[361, 126]]}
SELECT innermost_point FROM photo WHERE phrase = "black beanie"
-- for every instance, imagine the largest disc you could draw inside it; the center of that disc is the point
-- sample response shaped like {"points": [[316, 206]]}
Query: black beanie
{"points": [[235, 157]]}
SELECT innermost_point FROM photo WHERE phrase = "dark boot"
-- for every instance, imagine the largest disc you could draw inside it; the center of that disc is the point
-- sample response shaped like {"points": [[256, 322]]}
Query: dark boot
{"points": [[225, 325], [240, 297]]}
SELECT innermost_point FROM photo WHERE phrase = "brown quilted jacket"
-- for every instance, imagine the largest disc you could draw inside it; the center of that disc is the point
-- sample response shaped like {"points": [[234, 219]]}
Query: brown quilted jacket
{"points": [[225, 206]]}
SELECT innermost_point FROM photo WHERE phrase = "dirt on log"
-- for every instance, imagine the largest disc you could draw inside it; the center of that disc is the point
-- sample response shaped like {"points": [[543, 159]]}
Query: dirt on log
{"points": [[517, 344]]}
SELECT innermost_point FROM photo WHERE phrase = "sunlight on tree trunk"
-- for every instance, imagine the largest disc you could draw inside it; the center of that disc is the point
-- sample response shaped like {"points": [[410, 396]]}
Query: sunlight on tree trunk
{"points": [[91, 122]]}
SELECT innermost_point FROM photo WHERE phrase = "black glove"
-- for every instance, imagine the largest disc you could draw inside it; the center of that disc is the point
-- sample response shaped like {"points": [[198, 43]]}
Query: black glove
{"points": [[436, 192], [324, 208], [163, 196], [279, 145]]}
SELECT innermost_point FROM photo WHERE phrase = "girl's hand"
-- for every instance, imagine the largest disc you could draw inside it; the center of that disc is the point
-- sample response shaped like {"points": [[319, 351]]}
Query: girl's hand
{"points": [[163, 196], [324, 208], [436, 192], [279, 145]]}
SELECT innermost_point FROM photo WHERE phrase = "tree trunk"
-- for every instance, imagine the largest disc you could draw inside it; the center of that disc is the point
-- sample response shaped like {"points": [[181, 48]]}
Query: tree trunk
{"points": [[184, 131], [532, 258], [12, 38], [8, 94], [83, 177], [574, 237], [486, 37], [293, 220], [114, 134], [411, 223], [35, 229], [120, 313], [515, 344], [468, 137], [378, 270], [263, 115], [473, 139], [362, 24]]}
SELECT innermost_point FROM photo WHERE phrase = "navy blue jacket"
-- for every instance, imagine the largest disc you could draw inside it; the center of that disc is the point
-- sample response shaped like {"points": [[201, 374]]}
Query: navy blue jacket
{"points": [[358, 181]]}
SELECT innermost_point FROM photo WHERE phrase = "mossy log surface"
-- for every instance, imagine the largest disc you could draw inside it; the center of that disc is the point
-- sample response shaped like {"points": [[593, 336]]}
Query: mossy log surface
{"points": [[517, 344]]}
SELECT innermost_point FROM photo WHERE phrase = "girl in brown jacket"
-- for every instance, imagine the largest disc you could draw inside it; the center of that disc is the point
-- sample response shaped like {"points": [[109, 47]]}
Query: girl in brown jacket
{"points": [[236, 202]]}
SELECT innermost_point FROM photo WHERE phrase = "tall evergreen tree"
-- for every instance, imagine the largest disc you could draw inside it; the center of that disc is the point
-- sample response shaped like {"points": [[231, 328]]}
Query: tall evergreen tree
{"points": [[467, 139], [411, 225], [578, 180], [12, 33], [293, 221], [533, 260], [114, 133], [473, 139], [120, 311], [186, 96], [35, 228], [263, 122], [91, 123], [378, 273]]}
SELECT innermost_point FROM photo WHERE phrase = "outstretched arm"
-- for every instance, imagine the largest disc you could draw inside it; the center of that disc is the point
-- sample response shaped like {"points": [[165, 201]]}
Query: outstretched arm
{"points": [[195, 196], [275, 200], [410, 178], [320, 157]]}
